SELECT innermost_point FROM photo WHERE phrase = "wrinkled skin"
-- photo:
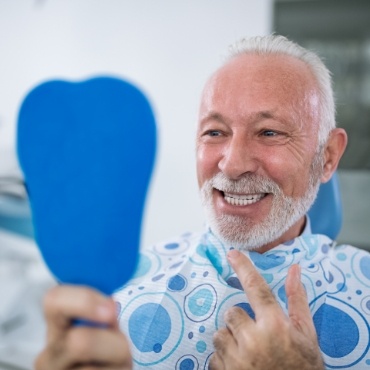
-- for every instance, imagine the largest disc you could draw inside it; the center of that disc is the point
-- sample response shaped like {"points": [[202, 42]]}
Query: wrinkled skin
{"points": [[273, 340], [259, 116], [80, 347]]}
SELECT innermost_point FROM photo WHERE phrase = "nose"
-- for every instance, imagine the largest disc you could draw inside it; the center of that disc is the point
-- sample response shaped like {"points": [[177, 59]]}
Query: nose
{"points": [[238, 159]]}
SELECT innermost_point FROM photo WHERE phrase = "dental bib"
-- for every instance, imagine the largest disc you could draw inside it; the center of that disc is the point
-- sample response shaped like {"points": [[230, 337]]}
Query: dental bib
{"points": [[177, 299]]}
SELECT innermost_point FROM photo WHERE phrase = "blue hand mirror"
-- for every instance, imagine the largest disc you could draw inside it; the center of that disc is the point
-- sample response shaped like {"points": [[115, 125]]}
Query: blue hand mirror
{"points": [[87, 151]]}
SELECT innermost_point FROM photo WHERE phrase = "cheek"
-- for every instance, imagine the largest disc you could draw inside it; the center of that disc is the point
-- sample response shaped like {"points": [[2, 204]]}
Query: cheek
{"points": [[207, 163], [288, 173], [292, 177], [275, 164]]}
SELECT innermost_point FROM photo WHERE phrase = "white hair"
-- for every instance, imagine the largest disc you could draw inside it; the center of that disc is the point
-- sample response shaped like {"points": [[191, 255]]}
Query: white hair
{"points": [[276, 44]]}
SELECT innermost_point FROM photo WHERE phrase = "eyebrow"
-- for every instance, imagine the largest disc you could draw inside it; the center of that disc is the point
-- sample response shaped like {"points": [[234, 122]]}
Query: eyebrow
{"points": [[212, 116], [264, 115], [255, 117]]}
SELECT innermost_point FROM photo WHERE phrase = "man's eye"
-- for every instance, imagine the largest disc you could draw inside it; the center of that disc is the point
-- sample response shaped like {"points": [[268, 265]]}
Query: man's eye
{"points": [[269, 133], [213, 133]]}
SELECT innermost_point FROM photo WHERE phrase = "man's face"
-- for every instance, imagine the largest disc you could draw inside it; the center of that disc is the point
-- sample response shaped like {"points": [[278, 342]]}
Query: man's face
{"points": [[257, 161]]}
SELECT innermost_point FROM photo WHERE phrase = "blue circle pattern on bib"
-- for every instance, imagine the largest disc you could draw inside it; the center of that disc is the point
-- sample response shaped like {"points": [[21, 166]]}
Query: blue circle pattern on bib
{"points": [[181, 290]]}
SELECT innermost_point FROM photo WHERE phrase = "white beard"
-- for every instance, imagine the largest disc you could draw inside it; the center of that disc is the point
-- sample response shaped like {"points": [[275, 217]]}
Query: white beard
{"points": [[285, 211]]}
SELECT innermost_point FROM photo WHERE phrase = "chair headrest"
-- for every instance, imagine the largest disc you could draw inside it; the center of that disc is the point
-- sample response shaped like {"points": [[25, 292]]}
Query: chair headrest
{"points": [[326, 213]]}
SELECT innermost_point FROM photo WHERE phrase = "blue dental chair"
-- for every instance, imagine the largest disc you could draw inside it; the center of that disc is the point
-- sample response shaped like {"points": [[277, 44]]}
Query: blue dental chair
{"points": [[326, 213]]}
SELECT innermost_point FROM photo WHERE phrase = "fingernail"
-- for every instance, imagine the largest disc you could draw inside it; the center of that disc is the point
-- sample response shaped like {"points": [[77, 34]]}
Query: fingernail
{"points": [[233, 255]]}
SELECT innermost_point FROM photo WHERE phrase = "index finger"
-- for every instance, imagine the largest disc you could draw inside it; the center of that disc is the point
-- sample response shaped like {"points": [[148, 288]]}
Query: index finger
{"points": [[258, 292]]}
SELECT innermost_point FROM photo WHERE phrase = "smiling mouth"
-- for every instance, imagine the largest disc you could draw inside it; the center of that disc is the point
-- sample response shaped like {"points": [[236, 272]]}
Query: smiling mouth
{"points": [[242, 199]]}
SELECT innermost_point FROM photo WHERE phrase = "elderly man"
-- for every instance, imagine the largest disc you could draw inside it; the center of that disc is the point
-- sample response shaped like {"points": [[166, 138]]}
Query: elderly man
{"points": [[256, 290]]}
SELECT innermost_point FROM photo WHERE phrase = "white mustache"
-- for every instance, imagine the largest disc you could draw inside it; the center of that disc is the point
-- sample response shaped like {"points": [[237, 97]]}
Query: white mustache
{"points": [[248, 184]]}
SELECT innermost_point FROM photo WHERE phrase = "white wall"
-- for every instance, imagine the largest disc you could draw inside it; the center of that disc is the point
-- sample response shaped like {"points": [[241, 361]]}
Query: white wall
{"points": [[166, 47]]}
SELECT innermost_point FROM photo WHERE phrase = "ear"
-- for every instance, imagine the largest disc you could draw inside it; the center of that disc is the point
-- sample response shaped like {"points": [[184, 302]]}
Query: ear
{"points": [[334, 150]]}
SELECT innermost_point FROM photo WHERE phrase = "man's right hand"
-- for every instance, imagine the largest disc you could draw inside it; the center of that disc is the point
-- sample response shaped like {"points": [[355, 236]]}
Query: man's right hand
{"points": [[71, 346], [273, 340]]}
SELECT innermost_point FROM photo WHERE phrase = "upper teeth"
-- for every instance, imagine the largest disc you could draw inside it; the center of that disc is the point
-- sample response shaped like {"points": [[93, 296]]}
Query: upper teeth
{"points": [[242, 199]]}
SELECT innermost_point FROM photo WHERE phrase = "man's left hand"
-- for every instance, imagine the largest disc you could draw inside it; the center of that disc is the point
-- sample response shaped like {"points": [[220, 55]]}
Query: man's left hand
{"points": [[273, 340]]}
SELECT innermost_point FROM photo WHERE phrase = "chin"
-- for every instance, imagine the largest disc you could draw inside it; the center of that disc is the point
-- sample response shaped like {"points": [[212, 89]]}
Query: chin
{"points": [[235, 232], [242, 234]]}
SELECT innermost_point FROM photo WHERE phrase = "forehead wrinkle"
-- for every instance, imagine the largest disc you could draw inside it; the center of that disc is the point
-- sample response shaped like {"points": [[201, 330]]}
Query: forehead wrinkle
{"points": [[266, 115]]}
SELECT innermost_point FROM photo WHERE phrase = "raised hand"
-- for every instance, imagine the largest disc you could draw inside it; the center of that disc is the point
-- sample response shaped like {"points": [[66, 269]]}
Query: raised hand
{"points": [[71, 346], [273, 340]]}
